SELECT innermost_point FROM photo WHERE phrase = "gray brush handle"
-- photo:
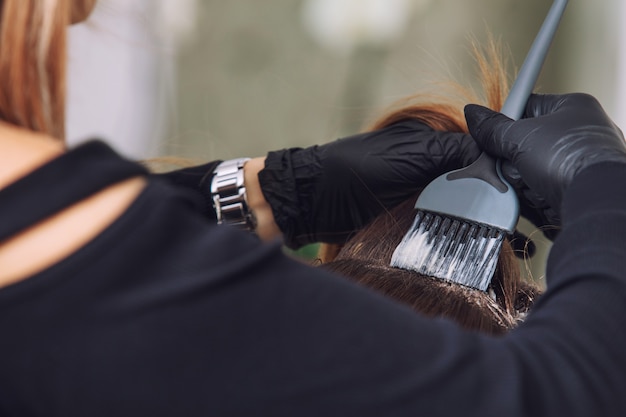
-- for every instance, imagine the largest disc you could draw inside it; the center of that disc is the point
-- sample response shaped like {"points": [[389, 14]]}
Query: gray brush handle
{"points": [[527, 78], [486, 167]]}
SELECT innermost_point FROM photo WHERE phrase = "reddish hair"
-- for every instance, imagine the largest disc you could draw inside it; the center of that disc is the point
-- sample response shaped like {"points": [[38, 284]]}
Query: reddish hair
{"points": [[33, 64], [366, 257]]}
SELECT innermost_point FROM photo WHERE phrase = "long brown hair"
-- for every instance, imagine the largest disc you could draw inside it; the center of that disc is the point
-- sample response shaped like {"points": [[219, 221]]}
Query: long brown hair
{"points": [[33, 49], [366, 257]]}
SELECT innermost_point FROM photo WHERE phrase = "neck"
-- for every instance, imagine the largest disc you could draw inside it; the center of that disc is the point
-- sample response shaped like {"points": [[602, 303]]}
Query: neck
{"points": [[55, 238], [22, 151]]}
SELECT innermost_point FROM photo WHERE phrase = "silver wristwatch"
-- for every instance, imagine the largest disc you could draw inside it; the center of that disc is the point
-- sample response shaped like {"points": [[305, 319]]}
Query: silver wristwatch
{"points": [[229, 195]]}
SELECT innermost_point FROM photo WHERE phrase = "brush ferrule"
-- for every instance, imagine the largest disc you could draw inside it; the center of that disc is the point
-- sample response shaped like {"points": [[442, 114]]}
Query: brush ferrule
{"points": [[478, 193]]}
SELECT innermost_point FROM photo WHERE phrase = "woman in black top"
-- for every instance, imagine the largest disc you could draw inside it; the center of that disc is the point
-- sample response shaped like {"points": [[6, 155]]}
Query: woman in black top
{"points": [[118, 297]]}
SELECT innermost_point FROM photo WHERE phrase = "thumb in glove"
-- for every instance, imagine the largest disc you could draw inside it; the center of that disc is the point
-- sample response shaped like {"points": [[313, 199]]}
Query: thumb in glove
{"points": [[557, 138]]}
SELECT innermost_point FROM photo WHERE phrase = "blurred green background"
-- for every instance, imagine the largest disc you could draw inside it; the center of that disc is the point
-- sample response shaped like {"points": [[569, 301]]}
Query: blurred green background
{"points": [[253, 78], [216, 79]]}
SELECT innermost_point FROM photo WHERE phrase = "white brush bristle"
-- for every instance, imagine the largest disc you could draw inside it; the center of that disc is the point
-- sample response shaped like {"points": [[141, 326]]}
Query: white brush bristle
{"points": [[450, 249]]}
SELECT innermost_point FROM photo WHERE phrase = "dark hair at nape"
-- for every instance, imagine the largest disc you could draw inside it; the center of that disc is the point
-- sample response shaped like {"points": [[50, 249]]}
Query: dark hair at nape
{"points": [[428, 296], [365, 259]]}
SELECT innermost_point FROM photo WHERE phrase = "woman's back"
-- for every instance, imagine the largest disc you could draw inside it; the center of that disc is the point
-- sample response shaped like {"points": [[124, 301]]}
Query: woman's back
{"points": [[56, 236]]}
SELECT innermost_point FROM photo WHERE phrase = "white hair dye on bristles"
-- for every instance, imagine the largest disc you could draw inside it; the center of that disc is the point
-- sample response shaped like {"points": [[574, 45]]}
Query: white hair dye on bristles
{"points": [[450, 249]]}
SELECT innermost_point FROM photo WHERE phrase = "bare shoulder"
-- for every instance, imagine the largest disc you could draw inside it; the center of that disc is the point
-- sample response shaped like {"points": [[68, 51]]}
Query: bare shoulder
{"points": [[55, 238], [22, 151]]}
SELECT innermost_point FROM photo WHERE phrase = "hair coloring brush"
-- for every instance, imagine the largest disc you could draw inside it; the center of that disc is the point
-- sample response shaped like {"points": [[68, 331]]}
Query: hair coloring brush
{"points": [[464, 215]]}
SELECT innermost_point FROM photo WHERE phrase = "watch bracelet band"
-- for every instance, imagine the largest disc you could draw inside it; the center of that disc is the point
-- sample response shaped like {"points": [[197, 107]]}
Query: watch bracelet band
{"points": [[229, 197]]}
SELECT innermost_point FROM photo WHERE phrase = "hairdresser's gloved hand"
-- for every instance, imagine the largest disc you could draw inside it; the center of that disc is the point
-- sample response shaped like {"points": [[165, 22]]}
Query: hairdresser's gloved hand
{"points": [[324, 193], [557, 138]]}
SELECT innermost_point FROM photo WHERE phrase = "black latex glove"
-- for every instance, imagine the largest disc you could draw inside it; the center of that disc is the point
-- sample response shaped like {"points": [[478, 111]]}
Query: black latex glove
{"points": [[324, 193], [558, 137]]}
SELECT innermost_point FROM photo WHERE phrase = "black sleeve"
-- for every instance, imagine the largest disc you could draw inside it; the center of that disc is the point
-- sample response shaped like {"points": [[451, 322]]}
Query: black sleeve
{"points": [[307, 344], [566, 359], [164, 314], [197, 180], [570, 351]]}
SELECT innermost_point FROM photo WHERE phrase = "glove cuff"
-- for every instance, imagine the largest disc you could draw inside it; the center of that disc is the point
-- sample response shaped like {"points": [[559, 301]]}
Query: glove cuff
{"points": [[288, 183]]}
